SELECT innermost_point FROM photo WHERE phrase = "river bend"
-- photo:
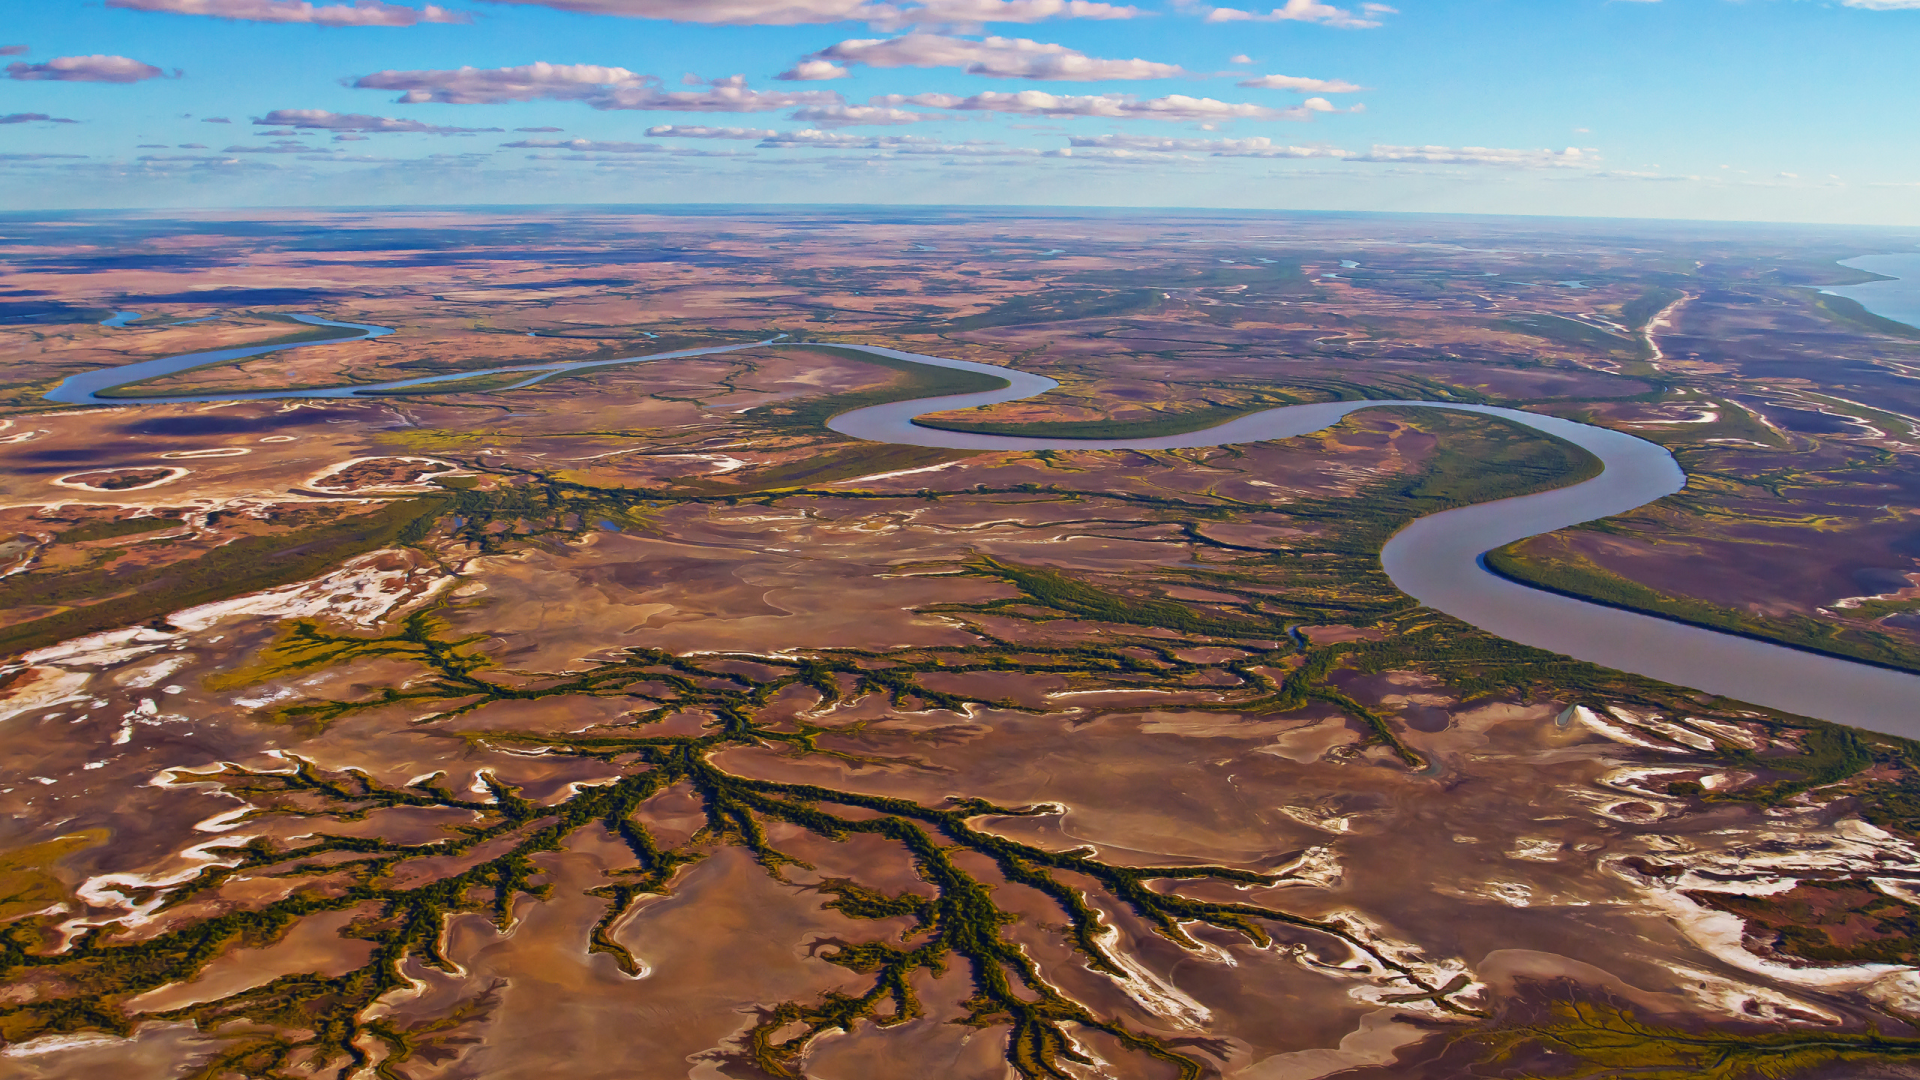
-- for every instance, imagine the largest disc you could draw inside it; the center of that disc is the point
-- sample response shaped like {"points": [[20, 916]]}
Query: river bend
{"points": [[1436, 559]]}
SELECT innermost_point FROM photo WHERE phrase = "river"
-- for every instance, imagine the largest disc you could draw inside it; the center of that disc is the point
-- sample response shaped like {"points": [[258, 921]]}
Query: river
{"points": [[1436, 560]]}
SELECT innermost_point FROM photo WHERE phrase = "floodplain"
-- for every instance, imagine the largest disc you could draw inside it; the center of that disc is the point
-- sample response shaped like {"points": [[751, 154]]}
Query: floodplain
{"points": [[636, 709]]}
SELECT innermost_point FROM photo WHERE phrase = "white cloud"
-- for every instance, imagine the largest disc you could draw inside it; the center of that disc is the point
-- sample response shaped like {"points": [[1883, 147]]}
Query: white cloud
{"points": [[1300, 85], [1308, 11], [802, 12], [96, 68], [1883, 5], [1112, 106], [322, 120], [840, 140], [277, 148], [1243, 59], [1007, 58], [585, 145], [359, 13], [1250, 147], [860, 115], [600, 87], [488, 86], [682, 131], [813, 71], [1571, 157], [1261, 147]]}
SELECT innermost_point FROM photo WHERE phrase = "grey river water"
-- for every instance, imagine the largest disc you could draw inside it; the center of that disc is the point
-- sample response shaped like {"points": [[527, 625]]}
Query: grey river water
{"points": [[1436, 560]]}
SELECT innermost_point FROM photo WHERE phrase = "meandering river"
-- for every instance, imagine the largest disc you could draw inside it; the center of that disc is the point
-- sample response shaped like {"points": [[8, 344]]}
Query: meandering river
{"points": [[1436, 560]]}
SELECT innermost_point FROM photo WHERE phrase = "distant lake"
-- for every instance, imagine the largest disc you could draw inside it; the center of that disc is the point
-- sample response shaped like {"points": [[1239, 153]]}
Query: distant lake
{"points": [[1898, 300]]}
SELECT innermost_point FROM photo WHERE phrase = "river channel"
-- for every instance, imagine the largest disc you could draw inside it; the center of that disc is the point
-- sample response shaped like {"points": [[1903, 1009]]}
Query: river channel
{"points": [[1436, 560]]}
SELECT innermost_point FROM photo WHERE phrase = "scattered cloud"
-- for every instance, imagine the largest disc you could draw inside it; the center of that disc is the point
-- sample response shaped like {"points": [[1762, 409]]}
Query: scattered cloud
{"points": [[96, 68], [1241, 59], [216, 120], [1300, 85], [540, 130], [860, 115], [37, 157], [1005, 58], [1261, 147], [152, 146], [350, 138], [491, 86], [34, 117], [191, 146], [804, 12], [1883, 5], [1311, 11], [682, 131], [1112, 106], [359, 13], [599, 87], [584, 145], [277, 148], [322, 120], [814, 71], [840, 140], [13, 50], [1223, 147], [1571, 157]]}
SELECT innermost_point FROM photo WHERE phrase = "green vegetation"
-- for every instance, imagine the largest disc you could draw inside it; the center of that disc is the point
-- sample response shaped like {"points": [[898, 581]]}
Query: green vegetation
{"points": [[1578, 1039], [1565, 332], [115, 527], [836, 464], [316, 1025], [1249, 399], [1054, 305], [1581, 578], [26, 881], [1164, 422], [1831, 922], [111, 598], [1635, 314], [319, 1023], [809, 415], [473, 384], [1848, 313]]}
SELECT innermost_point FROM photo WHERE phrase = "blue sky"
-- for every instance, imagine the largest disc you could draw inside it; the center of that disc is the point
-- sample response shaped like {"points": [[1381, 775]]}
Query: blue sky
{"points": [[1774, 110]]}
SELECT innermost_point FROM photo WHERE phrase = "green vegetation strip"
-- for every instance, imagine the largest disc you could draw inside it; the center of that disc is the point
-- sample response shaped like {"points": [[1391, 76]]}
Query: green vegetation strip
{"points": [[1849, 313], [809, 415], [314, 1025], [246, 565], [1583, 579]]}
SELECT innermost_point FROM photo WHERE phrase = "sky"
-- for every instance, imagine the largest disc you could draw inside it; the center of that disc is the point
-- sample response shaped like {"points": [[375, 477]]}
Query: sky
{"points": [[1753, 110]]}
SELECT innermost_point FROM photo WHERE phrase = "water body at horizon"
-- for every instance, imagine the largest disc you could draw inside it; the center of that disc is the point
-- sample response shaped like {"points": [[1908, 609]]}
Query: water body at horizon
{"points": [[1898, 299]]}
